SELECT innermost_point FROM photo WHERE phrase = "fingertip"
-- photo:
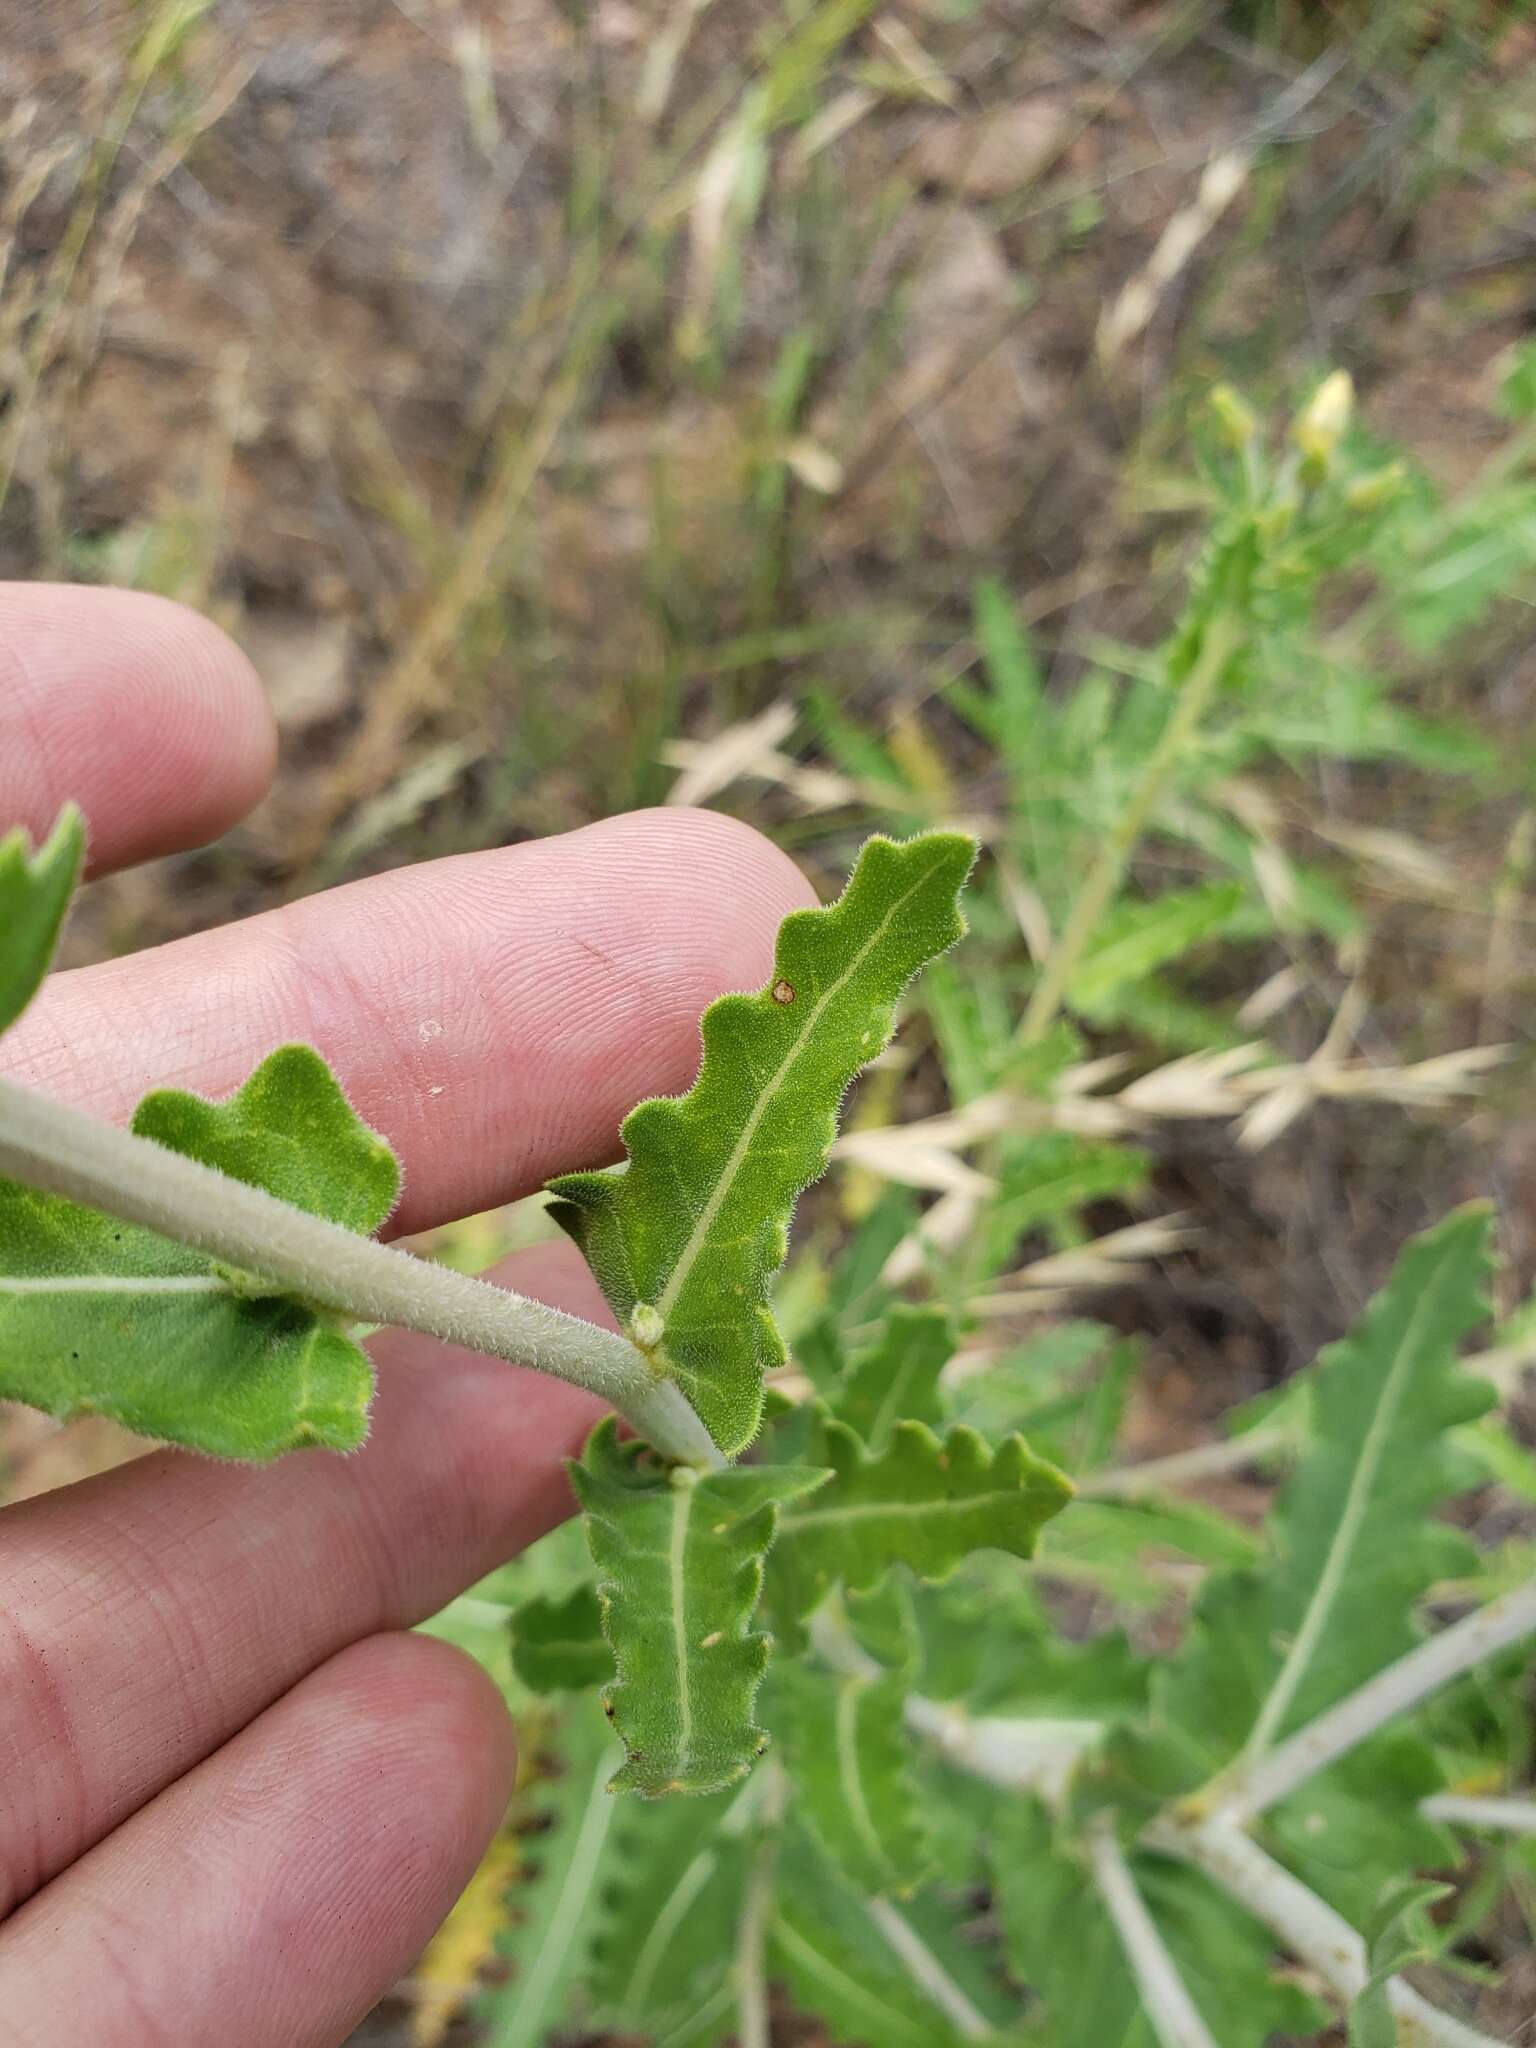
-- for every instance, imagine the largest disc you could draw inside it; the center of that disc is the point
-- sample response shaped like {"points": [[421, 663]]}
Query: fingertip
{"points": [[141, 710], [415, 1697]]}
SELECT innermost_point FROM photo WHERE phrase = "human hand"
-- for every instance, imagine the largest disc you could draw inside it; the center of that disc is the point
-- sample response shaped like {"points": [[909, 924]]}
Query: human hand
{"points": [[235, 1799]]}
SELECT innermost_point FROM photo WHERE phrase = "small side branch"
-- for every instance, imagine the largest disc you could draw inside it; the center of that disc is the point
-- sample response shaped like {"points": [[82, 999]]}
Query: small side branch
{"points": [[1380, 1700], [1172, 2012], [1307, 1926], [1506, 1816], [1024, 1755]]}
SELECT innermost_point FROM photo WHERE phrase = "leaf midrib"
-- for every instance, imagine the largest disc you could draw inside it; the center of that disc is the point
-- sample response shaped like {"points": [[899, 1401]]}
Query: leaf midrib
{"points": [[863, 1511], [677, 1549], [698, 1237]]}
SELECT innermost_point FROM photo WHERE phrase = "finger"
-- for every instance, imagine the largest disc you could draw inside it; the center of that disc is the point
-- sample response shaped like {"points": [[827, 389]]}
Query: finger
{"points": [[144, 713], [494, 1014], [148, 1614], [269, 1899]]}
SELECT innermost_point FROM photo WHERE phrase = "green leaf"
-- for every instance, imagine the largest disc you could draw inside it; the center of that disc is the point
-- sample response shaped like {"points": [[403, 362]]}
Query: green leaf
{"points": [[557, 1909], [1062, 1943], [1400, 1933], [924, 1501], [897, 1378], [680, 1566], [34, 895], [1356, 1543], [101, 1317], [845, 1745], [686, 1236], [670, 1907], [558, 1645], [290, 1130]]}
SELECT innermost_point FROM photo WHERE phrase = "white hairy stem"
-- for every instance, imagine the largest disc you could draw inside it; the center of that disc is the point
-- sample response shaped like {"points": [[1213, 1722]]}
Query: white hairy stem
{"points": [[1380, 1700], [1174, 2017], [1307, 1926], [1025, 1755], [49, 1145]]}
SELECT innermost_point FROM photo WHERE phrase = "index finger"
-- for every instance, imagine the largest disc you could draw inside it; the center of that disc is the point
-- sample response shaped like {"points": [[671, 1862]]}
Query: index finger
{"points": [[494, 1014]]}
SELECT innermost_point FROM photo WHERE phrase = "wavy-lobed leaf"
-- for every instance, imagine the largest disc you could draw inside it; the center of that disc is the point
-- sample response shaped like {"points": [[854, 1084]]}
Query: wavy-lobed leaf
{"points": [[680, 1566], [686, 1236], [103, 1317], [845, 1745], [559, 1645], [897, 1378], [35, 889], [924, 1501], [1356, 1541]]}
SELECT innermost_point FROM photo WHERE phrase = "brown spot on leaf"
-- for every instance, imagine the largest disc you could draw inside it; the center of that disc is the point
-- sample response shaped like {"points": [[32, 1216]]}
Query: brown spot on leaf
{"points": [[783, 992]]}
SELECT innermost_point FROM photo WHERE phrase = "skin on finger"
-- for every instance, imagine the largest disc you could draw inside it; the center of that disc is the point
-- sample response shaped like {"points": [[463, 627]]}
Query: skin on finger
{"points": [[270, 1898], [148, 716], [148, 1614], [494, 1015]]}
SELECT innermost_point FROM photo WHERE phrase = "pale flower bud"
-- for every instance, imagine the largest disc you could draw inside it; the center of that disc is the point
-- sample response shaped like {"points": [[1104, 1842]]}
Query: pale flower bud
{"points": [[1322, 422]]}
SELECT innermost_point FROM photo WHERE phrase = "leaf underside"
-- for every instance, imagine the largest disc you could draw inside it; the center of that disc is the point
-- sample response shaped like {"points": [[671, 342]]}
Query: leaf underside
{"points": [[924, 1501], [686, 1236], [680, 1567], [105, 1318], [35, 889]]}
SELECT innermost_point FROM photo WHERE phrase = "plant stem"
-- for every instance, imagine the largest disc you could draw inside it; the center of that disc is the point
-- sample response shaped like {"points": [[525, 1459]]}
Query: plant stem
{"points": [[1222, 639], [1508, 1816], [52, 1146], [1309, 1927], [1174, 2016], [1381, 1699]]}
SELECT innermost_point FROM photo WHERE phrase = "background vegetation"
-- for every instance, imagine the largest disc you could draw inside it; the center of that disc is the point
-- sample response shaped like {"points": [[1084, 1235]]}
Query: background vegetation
{"points": [[860, 414]]}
